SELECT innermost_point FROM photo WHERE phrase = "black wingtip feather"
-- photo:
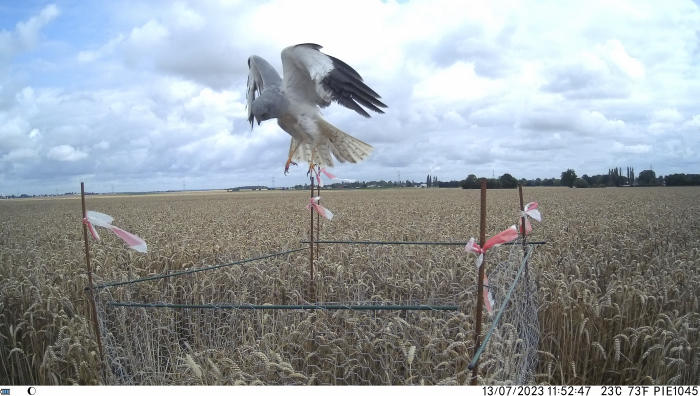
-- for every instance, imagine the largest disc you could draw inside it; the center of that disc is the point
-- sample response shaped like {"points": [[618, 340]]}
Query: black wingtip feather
{"points": [[350, 92], [340, 65], [367, 104], [346, 78], [351, 104]]}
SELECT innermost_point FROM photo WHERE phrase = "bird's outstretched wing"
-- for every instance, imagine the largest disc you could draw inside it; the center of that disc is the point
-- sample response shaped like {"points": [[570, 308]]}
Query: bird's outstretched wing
{"points": [[260, 76], [317, 78]]}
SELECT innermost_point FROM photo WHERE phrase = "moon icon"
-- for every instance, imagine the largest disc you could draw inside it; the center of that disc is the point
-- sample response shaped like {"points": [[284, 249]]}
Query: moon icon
{"points": [[31, 390]]}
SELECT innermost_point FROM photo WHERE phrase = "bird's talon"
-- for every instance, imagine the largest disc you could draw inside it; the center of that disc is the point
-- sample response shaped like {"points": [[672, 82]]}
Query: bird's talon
{"points": [[311, 168], [286, 167]]}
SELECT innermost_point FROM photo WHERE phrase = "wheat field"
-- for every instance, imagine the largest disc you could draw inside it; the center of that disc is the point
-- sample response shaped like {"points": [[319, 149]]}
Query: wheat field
{"points": [[617, 282]]}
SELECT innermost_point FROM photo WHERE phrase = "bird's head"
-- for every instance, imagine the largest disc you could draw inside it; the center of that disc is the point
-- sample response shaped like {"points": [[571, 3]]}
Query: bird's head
{"points": [[270, 104]]}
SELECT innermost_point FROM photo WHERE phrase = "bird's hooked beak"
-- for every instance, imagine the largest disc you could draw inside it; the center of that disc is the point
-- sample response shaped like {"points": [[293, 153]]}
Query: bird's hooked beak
{"points": [[256, 119]]}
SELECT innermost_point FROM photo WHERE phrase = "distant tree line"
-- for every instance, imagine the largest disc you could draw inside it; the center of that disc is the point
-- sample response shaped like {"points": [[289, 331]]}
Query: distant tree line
{"points": [[357, 184], [13, 196], [248, 188], [616, 177], [506, 181], [681, 179]]}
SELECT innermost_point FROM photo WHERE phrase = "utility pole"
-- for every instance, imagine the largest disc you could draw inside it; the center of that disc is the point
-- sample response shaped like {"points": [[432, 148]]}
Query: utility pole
{"points": [[183, 186], [273, 183], [399, 178]]}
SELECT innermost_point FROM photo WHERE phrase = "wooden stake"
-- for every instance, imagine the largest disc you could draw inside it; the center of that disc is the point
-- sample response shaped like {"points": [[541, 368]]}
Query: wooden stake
{"points": [[522, 209], [89, 271], [312, 297], [480, 281], [318, 218], [524, 233]]}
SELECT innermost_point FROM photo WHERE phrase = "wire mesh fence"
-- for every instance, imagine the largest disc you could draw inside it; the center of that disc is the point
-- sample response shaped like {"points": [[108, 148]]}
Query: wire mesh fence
{"points": [[511, 352], [283, 347], [201, 327]]}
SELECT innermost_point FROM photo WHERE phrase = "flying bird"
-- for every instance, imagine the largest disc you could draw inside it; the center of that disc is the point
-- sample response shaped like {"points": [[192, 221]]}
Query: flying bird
{"points": [[311, 79]]}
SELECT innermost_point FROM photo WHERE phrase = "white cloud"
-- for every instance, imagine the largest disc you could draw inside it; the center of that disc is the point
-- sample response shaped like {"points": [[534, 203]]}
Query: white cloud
{"points": [[614, 49], [457, 82], [634, 149], [670, 116], [20, 155], [454, 118], [186, 18], [604, 71], [144, 41], [693, 123], [105, 50], [570, 120], [65, 152], [25, 37], [664, 120]]}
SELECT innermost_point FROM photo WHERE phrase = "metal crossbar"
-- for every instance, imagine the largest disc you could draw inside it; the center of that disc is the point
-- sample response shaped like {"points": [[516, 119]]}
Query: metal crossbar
{"points": [[305, 306], [412, 243], [195, 270]]}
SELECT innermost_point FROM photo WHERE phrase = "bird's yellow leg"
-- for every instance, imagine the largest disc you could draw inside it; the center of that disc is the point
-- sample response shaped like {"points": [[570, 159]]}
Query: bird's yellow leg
{"points": [[311, 163], [289, 160]]}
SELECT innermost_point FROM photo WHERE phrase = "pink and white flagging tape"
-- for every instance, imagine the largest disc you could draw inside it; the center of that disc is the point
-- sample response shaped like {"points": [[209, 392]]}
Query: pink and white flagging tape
{"points": [[530, 211], [328, 175], [102, 220], [502, 237], [313, 202]]}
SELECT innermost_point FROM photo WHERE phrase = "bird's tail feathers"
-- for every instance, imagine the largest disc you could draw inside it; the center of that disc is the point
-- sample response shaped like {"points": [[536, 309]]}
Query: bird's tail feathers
{"points": [[343, 146], [302, 153], [332, 143], [322, 155]]}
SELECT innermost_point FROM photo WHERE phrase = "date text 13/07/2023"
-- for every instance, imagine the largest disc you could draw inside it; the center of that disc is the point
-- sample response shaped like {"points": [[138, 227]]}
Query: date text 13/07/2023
{"points": [[629, 390]]}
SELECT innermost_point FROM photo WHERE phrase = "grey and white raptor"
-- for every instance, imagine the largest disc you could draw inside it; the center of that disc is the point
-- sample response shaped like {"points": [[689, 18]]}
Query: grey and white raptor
{"points": [[311, 79]]}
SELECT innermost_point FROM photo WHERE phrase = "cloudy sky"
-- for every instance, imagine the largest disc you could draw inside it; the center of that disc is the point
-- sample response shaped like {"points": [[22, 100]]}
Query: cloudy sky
{"points": [[141, 96]]}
